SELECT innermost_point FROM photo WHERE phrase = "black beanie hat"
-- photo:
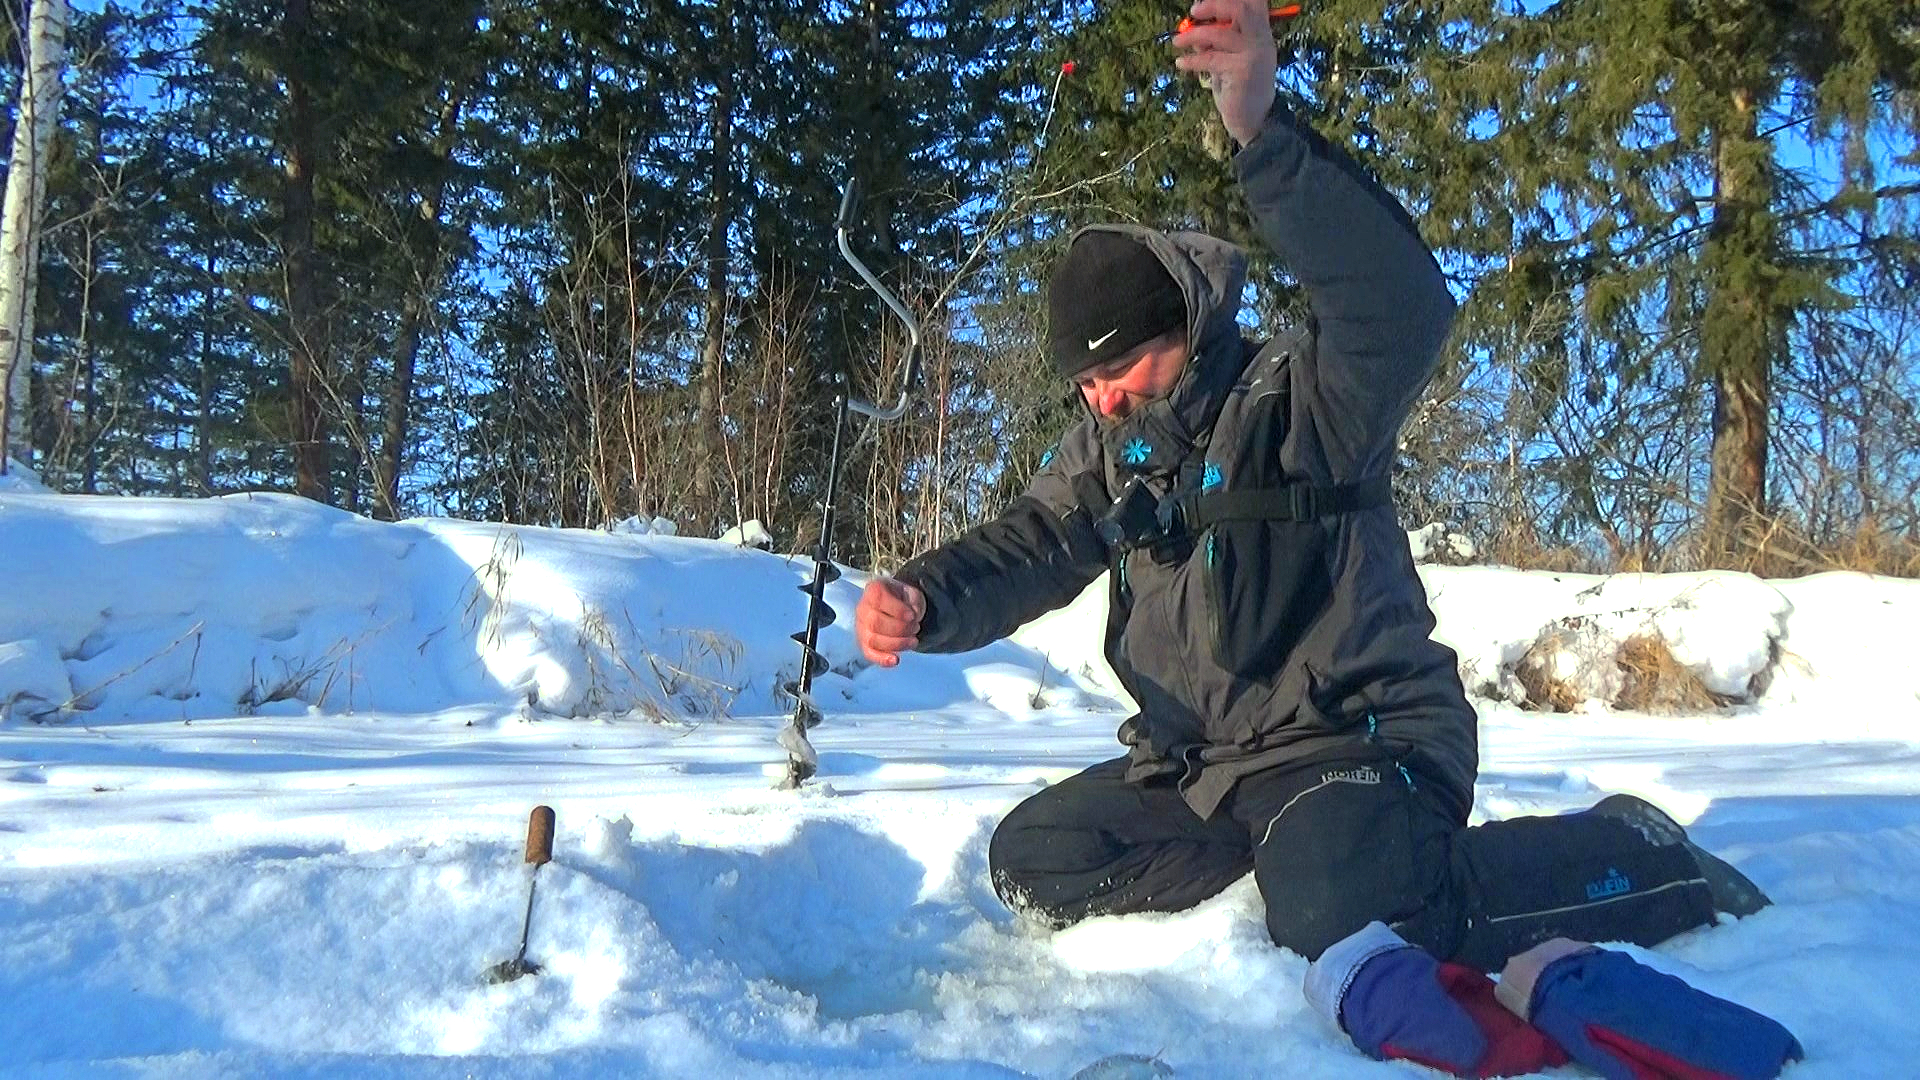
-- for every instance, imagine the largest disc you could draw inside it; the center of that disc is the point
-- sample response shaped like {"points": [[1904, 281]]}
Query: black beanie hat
{"points": [[1109, 294]]}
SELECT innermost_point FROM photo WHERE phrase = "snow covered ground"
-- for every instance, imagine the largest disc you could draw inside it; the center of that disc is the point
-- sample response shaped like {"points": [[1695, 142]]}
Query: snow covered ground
{"points": [[265, 769]]}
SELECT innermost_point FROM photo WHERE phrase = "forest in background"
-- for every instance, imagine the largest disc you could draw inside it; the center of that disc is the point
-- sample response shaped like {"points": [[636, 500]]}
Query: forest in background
{"points": [[564, 262]]}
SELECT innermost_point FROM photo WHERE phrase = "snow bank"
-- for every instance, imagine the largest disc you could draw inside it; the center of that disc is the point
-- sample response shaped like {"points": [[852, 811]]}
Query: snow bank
{"points": [[19, 478], [136, 609]]}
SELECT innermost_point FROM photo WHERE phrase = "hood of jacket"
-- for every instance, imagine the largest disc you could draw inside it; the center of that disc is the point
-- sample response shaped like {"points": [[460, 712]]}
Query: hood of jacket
{"points": [[1211, 273]]}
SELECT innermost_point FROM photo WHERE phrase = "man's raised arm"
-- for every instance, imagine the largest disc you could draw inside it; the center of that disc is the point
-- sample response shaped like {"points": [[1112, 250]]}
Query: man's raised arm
{"points": [[1380, 304]]}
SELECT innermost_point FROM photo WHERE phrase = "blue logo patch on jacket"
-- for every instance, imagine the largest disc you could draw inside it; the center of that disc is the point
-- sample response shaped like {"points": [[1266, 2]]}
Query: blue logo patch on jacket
{"points": [[1211, 477], [1614, 884], [1136, 452]]}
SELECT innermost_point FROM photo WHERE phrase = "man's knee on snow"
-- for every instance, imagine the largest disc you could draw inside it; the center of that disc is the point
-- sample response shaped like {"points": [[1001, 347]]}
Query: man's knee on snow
{"points": [[1017, 856], [1056, 872], [1355, 845]]}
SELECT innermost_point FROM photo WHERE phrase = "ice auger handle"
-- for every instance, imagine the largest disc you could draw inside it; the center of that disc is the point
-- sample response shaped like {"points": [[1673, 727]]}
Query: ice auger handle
{"points": [[848, 202]]}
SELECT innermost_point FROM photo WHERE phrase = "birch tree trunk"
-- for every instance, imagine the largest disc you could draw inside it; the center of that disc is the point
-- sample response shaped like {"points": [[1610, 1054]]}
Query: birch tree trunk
{"points": [[25, 208]]}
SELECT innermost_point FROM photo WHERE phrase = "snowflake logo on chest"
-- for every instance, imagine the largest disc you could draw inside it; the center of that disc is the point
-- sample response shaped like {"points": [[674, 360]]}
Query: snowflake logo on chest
{"points": [[1136, 452]]}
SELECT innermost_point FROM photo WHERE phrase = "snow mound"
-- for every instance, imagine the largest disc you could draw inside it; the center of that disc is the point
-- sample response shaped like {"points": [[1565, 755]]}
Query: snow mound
{"points": [[18, 477], [33, 681], [1723, 628], [752, 534], [1434, 542], [644, 526]]}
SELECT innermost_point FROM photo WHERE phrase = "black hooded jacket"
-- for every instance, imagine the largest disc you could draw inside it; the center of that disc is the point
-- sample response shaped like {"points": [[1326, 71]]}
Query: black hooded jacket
{"points": [[1252, 643]]}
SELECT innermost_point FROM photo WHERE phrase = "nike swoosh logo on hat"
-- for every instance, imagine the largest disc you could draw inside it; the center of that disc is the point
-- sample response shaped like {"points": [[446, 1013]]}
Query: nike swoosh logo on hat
{"points": [[1094, 343]]}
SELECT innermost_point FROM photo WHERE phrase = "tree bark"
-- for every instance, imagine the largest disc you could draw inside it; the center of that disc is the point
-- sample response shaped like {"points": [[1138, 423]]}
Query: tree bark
{"points": [[413, 318], [307, 359], [25, 210], [1742, 332], [203, 423], [713, 338], [406, 353]]}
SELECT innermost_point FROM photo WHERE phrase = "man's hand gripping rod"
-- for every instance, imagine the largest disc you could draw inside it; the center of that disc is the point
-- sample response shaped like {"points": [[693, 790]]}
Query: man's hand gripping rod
{"points": [[802, 762]]}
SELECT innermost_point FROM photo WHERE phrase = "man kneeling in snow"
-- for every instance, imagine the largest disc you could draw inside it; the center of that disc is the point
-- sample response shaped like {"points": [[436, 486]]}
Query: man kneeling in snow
{"points": [[1296, 717]]}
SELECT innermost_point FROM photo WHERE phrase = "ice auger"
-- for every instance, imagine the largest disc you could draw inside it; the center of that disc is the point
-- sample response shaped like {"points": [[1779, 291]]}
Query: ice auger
{"points": [[802, 762]]}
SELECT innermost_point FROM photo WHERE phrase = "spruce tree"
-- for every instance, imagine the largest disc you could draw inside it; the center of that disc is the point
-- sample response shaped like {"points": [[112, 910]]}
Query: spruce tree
{"points": [[1631, 182]]}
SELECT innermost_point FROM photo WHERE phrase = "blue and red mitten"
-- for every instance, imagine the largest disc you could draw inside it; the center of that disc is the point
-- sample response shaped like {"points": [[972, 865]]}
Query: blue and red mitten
{"points": [[1395, 1001], [1626, 1021]]}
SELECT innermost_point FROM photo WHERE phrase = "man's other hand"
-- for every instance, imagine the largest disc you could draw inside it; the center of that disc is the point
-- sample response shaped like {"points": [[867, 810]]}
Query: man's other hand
{"points": [[1231, 46], [887, 621]]}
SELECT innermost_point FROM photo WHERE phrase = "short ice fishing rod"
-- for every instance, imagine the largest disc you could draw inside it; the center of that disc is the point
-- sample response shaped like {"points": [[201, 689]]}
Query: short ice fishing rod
{"points": [[1275, 14], [802, 762], [1282, 13]]}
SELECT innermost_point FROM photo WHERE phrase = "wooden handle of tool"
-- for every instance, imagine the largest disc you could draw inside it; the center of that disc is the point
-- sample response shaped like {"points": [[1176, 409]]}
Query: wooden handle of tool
{"points": [[540, 836]]}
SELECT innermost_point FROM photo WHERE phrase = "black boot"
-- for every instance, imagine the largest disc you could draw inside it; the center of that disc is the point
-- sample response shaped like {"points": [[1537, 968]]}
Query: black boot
{"points": [[1733, 892]]}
